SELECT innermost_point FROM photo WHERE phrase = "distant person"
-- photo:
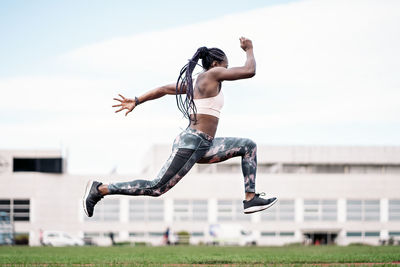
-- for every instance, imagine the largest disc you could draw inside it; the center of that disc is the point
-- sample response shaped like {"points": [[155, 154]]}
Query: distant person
{"points": [[196, 144], [111, 235], [41, 237], [166, 237]]}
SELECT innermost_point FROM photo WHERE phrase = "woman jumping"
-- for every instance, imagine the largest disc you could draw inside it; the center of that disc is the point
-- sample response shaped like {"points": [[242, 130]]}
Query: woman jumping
{"points": [[196, 144]]}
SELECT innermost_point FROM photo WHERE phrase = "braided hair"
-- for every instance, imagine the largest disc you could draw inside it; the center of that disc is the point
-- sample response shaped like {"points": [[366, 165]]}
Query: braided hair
{"points": [[207, 56]]}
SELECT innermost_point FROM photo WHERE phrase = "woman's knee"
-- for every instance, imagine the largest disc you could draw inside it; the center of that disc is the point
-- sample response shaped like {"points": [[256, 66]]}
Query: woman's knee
{"points": [[154, 192], [158, 189], [250, 144]]}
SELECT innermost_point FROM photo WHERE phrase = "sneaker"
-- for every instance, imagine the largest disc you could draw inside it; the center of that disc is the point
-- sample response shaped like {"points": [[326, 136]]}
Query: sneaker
{"points": [[91, 197], [258, 203]]}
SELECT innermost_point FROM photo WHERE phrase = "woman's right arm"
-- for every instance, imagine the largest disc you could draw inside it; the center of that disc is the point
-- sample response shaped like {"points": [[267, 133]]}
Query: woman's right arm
{"points": [[237, 73]]}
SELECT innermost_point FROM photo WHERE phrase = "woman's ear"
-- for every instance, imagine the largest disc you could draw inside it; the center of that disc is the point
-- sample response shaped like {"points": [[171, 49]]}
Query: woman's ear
{"points": [[214, 64]]}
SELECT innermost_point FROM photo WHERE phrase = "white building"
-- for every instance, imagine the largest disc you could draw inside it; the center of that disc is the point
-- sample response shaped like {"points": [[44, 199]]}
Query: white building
{"points": [[338, 195]]}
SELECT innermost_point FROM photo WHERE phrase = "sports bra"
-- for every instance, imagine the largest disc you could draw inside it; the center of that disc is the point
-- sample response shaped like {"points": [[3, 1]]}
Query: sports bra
{"points": [[210, 105]]}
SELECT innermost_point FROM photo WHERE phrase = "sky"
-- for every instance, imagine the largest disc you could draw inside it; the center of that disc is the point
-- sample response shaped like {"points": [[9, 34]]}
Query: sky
{"points": [[327, 74]]}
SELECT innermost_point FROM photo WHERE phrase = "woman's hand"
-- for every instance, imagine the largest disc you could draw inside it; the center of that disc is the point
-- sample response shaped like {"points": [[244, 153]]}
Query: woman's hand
{"points": [[126, 103], [245, 43]]}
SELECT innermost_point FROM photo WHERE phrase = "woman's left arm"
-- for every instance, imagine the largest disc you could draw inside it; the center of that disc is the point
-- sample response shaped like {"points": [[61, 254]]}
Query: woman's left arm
{"points": [[169, 89], [130, 104]]}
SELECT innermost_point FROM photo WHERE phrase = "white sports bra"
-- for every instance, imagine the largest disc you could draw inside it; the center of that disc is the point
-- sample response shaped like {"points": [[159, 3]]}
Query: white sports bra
{"points": [[210, 105]]}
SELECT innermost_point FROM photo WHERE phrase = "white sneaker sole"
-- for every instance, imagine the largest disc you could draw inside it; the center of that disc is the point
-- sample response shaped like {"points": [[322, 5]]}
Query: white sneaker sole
{"points": [[259, 208], [87, 191]]}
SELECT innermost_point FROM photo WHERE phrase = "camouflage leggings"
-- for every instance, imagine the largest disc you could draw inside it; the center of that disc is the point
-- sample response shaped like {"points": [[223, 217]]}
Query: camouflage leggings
{"points": [[190, 147]]}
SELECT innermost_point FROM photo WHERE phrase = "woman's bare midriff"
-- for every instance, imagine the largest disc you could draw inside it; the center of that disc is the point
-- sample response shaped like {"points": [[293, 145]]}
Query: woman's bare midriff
{"points": [[205, 123]]}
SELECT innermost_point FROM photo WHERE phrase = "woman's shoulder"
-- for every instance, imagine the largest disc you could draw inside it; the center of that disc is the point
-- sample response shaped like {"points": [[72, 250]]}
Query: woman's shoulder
{"points": [[210, 75], [206, 86], [205, 79]]}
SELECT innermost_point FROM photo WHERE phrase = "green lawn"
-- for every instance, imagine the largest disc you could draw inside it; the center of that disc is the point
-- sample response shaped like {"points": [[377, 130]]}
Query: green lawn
{"points": [[158, 256]]}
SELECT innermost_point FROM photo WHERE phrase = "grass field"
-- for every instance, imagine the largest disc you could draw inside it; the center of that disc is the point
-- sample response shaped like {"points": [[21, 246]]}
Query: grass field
{"points": [[200, 256]]}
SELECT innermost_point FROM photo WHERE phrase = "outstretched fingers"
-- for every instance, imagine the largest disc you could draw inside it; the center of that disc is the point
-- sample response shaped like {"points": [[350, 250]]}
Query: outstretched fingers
{"points": [[120, 109], [125, 103], [119, 105], [128, 112], [120, 100]]}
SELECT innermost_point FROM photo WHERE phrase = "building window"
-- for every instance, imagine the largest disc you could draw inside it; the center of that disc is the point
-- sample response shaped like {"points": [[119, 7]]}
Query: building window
{"points": [[286, 234], [21, 209], [294, 168], [394, 209], [199, 210], [272, 213], [136, 234], [231, 210], [371, 210], [146, 209], [354, 210], [394, 233], [49, 165], [225, 210], [363, 210], [392, 169], [320, 210], [155, 210], [106, 210], [182, 211], [5, 206], [205, 168], [372, 234], [311, 210], [283, 210], [366, 168], [329, 210], [91, 234], [18, 209], [100, 234], [354, 234], [228, 168], [197, 234], [327, 168], [190, 210], [266, 168], [363, 234], [268, 234], [137, 210], [156, 234]]}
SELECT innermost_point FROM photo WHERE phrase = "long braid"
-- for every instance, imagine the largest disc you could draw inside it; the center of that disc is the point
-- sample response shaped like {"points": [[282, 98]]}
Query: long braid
{"points": [[188, 106]]}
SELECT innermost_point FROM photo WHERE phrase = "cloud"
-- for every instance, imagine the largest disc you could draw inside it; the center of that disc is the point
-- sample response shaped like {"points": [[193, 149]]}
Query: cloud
{"points": [[330, 54]]}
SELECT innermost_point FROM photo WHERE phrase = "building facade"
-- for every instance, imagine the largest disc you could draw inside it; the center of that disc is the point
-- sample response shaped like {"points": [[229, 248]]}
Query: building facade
{"points": [[337, 195]]}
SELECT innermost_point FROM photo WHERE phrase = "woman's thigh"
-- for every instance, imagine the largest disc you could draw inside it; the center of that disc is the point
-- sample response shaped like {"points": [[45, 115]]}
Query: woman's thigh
{"points": [[185, 146], [224, 148]]}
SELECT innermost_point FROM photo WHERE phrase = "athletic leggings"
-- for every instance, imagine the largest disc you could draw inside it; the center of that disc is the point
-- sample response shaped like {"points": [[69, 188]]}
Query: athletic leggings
{"points": [[190, 147]]}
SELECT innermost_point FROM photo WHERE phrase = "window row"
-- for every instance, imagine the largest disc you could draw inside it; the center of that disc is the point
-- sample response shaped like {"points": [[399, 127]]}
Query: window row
{"points": [[142, 209], [302, 168], [15, 209], [48, 165], [159, 234], [262, 234]]}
